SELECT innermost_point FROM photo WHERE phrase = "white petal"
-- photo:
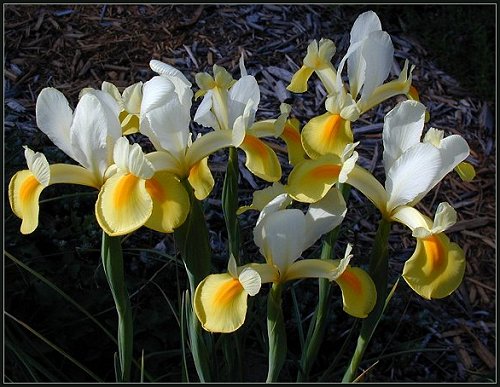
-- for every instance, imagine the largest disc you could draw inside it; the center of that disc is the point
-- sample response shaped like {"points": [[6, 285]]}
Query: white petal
{"points": [[94, 131], [402, 129], [251, 281], [245, 89], [54, 117], [445, 217], [323, 216], [204, 115], [38, 165], [132, 98], [344, 262], [281, 237], [130, 158], [364, 25], [412, 174], [167, 70], [378, 52], [156, 92]]}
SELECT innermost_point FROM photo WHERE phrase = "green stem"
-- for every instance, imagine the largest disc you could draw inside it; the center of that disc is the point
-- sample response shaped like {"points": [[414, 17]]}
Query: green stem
{"points": [[379, 265], [276, 333], [194, 245], [112, 261], [316, 331], [230, 203]]}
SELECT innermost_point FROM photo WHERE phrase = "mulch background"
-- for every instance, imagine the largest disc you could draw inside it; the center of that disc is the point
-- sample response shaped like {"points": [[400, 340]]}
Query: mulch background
{"points": [[74, 46]]}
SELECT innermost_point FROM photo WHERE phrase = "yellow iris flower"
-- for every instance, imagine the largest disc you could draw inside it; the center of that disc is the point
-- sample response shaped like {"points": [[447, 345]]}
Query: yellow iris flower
{"points": [[87, 135], [412, 169], [220, 300], [147, 189], [224, 100], [369, 60]]}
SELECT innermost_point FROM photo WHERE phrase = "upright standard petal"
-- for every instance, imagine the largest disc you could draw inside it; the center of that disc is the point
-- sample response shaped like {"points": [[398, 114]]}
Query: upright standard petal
{"points": [[412, 174], [54, 118], [323, 216], [280, 237], [403, 127], [244, 90], [436, 268], [220, 303]]}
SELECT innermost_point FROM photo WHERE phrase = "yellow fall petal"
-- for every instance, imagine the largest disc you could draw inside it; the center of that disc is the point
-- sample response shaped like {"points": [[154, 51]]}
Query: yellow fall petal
{"points": [[220, 303], [123, 204], [326, 134], [201, 179], [261, 159], [170, 202], [24, 193], [291, 136], [298, 84], [358, 291], [436, 268], [310, 180]]}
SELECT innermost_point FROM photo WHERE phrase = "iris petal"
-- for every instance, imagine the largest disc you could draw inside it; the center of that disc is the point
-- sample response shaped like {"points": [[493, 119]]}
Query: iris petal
{"points": [[436, 268], [220, 302], [123, 204], [261, 159], [358, 291]]}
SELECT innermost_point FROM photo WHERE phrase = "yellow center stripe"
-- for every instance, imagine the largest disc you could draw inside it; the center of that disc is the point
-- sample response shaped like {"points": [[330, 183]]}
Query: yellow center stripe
{"points": [[331, 128], [434, 252], [155, 189], [124, 188], [227, 292], [256, 145], [326, 171], [352, 281], [27, 188]]}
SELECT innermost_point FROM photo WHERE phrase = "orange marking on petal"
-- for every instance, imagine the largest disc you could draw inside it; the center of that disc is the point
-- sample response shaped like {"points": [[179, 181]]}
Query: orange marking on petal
{"points": [[256, 145], [331, 128], [155, 189], [226, 293], [352, 281], [27, 188], [326, 171], [413, 93], [124, 188], [291, 134], [434, 251]]}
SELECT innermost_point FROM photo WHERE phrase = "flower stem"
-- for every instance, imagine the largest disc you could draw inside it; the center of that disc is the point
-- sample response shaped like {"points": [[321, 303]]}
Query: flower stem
{"points": [[194, 245], [379, 265], [317, 326], [112, 261], [230, 203], [276, 333]]}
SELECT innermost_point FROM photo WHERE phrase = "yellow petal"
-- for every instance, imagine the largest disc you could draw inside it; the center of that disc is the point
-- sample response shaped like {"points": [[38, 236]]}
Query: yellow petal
{"points": [[436, 268], [129, 122], [24, 192], [261, 159], [326, 134], [220, 302], [123, 204], [298, 84], [201, 179], [310, 180], [358, 291], [170, 202], [291, 136], [465, 171]]}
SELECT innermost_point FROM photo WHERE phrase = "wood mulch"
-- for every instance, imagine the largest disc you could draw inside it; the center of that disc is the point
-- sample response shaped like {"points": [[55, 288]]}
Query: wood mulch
{"points": [[74, 46]]}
